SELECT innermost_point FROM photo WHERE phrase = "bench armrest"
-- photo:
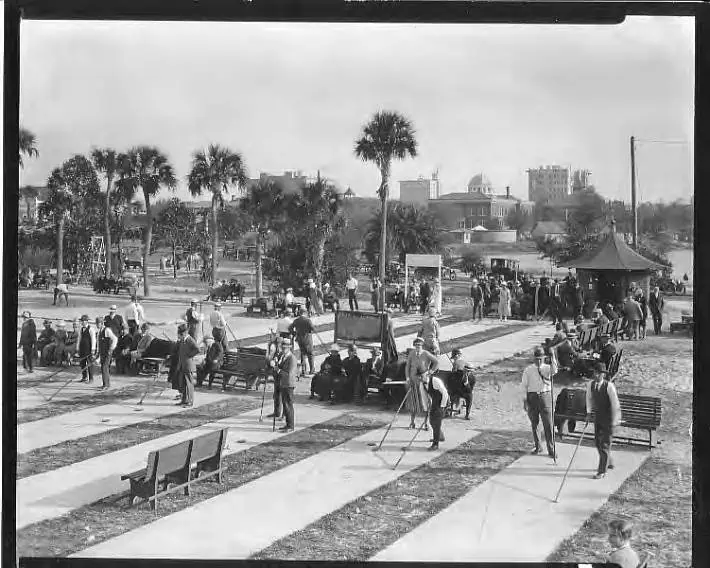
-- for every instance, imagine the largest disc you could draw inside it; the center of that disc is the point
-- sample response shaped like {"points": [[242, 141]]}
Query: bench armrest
{"points": [[135, 475]]}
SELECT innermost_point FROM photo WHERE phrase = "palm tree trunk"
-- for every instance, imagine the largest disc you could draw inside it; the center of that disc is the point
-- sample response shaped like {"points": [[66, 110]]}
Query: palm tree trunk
{"points": [[107, 225], [383, 240], [146, 244], [174, 263], [257, 260], [318, 260], [60, 250], [215, 238]]}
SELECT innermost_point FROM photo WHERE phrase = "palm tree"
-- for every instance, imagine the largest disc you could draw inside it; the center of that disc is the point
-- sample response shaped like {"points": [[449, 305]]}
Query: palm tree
{"points": [[28, 144], [318, 207], [69, 187], [106, 161], [265, 205], [216, 170], [148, 168], [388, 136]]}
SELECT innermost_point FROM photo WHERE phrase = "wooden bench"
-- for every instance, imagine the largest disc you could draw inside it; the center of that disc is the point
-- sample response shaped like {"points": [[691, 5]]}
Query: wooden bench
{"points": [[614, 365], [637, 412], [179, 465], [248, 365], [686, 324]]}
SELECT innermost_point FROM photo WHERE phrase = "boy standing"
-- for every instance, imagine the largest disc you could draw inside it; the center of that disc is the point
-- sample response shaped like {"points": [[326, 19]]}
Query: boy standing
{"points": [[603, 402]]}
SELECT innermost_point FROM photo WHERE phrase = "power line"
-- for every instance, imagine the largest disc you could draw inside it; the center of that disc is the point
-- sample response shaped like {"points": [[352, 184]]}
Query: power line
{"points": [[679, 142]]}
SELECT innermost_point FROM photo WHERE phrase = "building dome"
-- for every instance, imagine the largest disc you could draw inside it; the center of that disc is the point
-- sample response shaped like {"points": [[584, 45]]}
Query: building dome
{"points": [[480, 184]]}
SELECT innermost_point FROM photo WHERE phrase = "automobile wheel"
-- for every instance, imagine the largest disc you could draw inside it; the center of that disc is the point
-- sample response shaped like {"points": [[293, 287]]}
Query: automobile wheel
{"points": [[571, 425]]}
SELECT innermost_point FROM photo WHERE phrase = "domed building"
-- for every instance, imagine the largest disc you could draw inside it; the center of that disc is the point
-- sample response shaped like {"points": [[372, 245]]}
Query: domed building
{"points": [[480, 184]]}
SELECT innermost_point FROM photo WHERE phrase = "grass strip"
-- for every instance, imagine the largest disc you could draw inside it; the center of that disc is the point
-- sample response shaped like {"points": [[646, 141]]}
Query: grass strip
{"points": [[62, 406], [72, 451], [657, 498], [108, 518], [367, 525]]}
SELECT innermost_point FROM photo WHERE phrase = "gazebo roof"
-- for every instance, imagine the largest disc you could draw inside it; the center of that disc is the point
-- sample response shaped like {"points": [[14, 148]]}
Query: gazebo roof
{"points": [[613, 254]]}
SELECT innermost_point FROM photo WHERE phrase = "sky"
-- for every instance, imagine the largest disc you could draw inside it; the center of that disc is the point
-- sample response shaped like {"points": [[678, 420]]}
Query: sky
{"points": [[497, 99]]}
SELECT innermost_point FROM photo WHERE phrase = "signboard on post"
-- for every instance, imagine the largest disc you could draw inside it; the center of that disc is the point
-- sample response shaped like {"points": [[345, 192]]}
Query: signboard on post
{"points": [[423, 261]]}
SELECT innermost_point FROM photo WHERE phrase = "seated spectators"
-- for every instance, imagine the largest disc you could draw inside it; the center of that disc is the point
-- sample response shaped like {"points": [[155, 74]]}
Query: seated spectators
{"points": [[352, 385], [321, 383], [122, 353], [214, 358], [46, 336]]}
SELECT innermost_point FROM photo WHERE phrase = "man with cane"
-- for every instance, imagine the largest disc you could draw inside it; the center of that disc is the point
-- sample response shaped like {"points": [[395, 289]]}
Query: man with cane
{"points": [[287, 369], [273, 361], [603, 404], [87, 348], [537, 401]]}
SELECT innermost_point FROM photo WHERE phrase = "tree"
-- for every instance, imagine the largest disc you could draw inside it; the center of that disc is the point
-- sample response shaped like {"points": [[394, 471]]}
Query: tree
{"points": [[69, 187], [216, 170], [472, 262], [172, 226], [106, 161], [587, 217], [318, 211], [265, 205], [388, 136], [410, 230], [148, 168], [519, 220], [28, 145]]}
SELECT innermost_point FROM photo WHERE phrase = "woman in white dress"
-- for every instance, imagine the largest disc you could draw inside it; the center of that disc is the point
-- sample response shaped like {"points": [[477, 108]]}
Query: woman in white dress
{"points": [[504, 301]]}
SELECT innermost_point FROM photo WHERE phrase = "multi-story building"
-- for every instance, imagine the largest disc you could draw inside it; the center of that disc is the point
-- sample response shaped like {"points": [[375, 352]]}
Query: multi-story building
{"points": [[31, 197], [549, 184], [290, 180], [479, 205], [580, 180], [419, 191]]}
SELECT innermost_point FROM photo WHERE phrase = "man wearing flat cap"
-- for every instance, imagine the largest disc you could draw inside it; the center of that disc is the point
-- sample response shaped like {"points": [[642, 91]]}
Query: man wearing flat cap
{"points": [[184, 366], [607, 350], [193, 318], [219, 326], [28, 340], [604, 409], [287, 370], [537, 402]]}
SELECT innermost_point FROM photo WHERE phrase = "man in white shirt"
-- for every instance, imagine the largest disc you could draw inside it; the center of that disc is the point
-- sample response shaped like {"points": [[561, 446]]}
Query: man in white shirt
{"points": [[61, 290], [289, 300], [219, 325], [537, 398], [284, 323], [439, 400], [135, 315], [351, 287]]}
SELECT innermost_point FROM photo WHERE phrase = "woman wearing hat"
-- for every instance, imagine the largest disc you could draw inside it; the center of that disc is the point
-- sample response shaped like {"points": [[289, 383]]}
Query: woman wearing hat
{"points": [[603, 403], [420, 364], [504, 302], [322, 381]]}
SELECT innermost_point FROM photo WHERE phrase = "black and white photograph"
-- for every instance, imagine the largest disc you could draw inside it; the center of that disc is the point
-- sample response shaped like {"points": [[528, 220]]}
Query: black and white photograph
{"points": [[355, 291]]}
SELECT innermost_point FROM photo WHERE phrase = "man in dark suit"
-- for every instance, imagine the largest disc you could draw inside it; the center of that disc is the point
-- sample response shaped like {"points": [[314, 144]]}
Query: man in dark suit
{"points": [[302, 327], [114, 321], [655, 304], [184, 353], [287, 371], [28, 340], [556, 301], [477, 299]]}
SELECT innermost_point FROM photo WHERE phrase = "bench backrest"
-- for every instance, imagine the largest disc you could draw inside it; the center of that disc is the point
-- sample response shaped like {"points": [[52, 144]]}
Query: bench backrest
{"points": [[641, 410], [614, 364], [208, 445], [230, 359], [168, 460]]}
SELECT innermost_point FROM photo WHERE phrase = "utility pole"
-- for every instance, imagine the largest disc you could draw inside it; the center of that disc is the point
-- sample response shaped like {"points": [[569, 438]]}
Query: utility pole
{"points": [[634, 219]]}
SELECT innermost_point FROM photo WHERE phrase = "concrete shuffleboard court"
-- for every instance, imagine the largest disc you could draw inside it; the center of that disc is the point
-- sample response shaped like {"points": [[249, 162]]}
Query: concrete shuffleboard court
{"points": [[280, 503]]}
